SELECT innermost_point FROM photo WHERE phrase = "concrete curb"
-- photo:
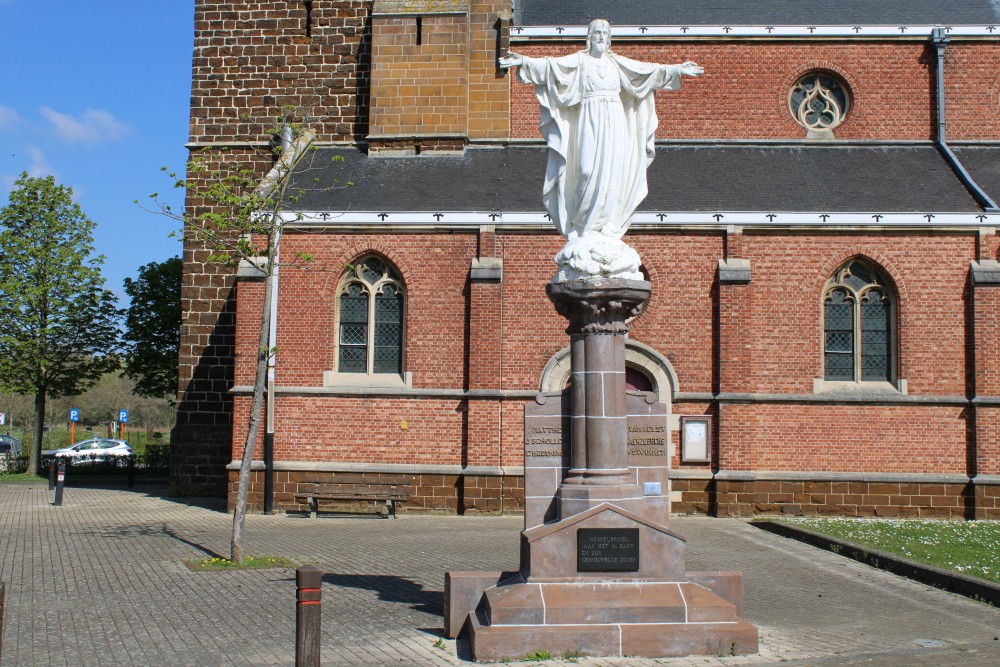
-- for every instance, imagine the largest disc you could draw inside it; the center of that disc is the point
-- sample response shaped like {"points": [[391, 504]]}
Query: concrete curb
{"points": [[970, 587]]}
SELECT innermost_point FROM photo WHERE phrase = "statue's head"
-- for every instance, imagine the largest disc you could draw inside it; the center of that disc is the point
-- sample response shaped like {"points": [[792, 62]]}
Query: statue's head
{"points": [[599, 36]]}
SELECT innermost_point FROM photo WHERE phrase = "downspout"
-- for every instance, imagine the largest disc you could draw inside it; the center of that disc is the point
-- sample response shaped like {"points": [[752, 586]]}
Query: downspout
{"points": [[940, 39], [291, 153], [272, 337]]}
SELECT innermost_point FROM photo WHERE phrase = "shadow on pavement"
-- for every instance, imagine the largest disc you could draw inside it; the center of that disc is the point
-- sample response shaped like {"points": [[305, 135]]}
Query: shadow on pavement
{"points": [[392, 589], [148, 530]]}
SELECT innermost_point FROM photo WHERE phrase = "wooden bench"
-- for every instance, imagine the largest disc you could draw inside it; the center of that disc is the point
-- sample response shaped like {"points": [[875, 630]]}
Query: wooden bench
{"points": [[393, 491]]}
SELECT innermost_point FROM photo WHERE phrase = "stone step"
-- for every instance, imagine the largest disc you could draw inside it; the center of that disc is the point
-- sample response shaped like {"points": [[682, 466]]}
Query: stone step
{"points": [[653, 640], [582, 603]]}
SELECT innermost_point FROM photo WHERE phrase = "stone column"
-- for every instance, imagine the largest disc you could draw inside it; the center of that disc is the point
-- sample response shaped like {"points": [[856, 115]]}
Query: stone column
{"points": [[597, 311]]}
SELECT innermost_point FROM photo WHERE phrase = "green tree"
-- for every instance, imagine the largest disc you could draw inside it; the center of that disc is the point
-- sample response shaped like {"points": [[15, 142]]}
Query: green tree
{"points": [[59, 329], [153, 324]]}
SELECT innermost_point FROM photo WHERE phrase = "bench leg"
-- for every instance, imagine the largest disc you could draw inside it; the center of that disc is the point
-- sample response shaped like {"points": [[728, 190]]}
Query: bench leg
{"points": [[313, 508], [392, 508]]}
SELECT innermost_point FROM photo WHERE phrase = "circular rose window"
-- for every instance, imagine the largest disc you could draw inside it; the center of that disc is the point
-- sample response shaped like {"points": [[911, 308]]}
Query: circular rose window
{"points": [[819, 102]]}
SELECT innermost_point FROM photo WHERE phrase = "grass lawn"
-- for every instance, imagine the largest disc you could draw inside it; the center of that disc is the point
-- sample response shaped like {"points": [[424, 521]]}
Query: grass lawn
{"points": [[249, 563], [969, 547], [21, 477]]}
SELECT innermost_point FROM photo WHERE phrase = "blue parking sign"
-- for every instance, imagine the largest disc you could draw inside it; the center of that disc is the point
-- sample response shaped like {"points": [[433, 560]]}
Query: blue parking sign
{"points": [[74, 415], [123, 416]]}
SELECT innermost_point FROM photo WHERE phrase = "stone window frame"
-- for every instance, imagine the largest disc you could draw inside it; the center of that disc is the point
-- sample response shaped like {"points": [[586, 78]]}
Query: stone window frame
{"points": [[820, 131], [881, 281], [354, 274]]}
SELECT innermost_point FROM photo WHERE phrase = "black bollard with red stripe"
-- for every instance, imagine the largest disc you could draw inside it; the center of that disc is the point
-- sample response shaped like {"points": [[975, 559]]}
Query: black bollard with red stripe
{"points": [[60, 482], [308, 580]]}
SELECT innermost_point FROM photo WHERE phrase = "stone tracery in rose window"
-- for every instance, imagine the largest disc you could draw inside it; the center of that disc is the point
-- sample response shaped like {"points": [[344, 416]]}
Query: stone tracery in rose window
{"points": [[819, 102]]}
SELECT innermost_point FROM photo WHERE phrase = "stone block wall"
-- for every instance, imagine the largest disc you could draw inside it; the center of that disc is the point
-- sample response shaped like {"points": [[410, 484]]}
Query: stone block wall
{"points": [[251, 59], [435, 82], [489, 99], [431, 493], [906, 500], [202, 435], [420, 75]]}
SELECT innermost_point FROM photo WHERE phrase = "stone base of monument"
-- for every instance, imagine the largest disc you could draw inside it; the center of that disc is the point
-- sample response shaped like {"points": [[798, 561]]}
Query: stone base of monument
{"points": [[605, 582], [600, 572]]}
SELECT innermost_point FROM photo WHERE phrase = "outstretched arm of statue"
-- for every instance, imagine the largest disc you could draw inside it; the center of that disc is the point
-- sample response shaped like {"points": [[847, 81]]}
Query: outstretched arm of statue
{"points": [[511, 60], [691, 68]]}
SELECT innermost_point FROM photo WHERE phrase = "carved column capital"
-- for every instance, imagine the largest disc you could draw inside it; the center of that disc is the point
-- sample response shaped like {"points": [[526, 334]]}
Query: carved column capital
{"points": [[599, 306]]}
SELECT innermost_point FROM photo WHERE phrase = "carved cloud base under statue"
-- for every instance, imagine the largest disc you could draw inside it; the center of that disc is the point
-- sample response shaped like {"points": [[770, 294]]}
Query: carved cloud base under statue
{"points": [[600, 572], [593, 255]]}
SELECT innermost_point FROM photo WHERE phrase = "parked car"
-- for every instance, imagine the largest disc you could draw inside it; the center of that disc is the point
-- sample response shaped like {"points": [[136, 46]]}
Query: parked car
{"points": [[96, 450], [10, 445]]}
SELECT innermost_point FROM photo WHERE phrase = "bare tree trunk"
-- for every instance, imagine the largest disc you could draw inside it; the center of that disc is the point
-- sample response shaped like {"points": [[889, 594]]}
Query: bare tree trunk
{"points": [[253, 427], [273, 188], [35, 463]]}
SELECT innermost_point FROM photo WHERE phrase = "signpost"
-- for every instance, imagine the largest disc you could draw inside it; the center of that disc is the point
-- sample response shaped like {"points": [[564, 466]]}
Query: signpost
{"points": [[74, 417], [122, 420]]}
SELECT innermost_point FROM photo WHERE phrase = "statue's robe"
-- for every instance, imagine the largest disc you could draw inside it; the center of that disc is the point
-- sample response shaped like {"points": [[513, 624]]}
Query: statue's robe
{"points": [[598, 118]]}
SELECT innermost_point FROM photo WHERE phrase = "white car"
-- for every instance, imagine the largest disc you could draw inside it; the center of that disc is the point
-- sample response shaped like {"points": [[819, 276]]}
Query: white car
{"points": [[96, 450]]}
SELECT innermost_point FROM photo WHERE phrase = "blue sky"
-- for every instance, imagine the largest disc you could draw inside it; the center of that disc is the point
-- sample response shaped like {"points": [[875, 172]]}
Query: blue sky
{"points": [[97, 95]]}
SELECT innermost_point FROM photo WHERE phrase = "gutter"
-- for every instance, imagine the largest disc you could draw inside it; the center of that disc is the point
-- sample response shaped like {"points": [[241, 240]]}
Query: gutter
{"points": [[940, 39]]}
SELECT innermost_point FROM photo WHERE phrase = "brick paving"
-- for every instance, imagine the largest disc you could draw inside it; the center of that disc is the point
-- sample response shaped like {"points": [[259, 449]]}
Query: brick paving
{"points": [[101, 581]]}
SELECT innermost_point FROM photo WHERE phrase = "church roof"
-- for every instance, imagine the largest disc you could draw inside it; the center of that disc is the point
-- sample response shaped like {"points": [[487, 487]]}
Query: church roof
{"points": [[759, 12], [983, 163], [683, 177]]}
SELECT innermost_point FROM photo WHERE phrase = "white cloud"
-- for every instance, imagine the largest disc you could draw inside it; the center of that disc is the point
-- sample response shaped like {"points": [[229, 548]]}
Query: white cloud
{"points": [[39, 164], [8, 115], [93, 126]]}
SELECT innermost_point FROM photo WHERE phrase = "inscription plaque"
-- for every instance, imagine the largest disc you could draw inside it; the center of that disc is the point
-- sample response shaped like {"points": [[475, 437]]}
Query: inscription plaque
{"points": [[607, 550]]}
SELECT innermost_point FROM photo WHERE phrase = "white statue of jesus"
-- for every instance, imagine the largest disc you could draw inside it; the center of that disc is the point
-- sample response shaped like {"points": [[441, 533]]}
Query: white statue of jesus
{"points": [[599, 120]]}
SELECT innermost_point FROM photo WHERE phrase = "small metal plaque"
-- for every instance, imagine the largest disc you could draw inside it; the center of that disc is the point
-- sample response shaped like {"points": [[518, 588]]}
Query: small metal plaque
{"points": [[607, 550]]}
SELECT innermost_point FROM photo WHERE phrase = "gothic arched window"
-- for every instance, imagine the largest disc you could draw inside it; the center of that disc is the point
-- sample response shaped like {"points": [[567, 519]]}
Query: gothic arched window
{"points": [[859, 324], [370, 317]]}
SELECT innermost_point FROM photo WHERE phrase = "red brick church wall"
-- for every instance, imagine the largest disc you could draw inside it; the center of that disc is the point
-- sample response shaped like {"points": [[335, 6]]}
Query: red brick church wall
{"points": [[744, 91], [777, 322]]}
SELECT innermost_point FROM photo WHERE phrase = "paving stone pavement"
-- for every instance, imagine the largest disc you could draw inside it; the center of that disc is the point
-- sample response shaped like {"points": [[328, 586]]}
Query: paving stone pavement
{"points": [[101, 581]]}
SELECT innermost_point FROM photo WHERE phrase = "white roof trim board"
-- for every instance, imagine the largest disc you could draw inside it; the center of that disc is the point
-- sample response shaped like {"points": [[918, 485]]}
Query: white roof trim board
{"points": [[525, 33], [645, 220]]}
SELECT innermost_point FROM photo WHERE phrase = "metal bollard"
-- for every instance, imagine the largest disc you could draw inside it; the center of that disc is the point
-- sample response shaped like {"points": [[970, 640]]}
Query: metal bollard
{"points": [[131, 472], [60, 482], [52, 474], [308, 580]]}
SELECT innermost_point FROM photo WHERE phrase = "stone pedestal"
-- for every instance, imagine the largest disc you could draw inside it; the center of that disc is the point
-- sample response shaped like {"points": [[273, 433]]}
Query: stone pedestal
{"points": [[600, 572], [597, 312]]}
